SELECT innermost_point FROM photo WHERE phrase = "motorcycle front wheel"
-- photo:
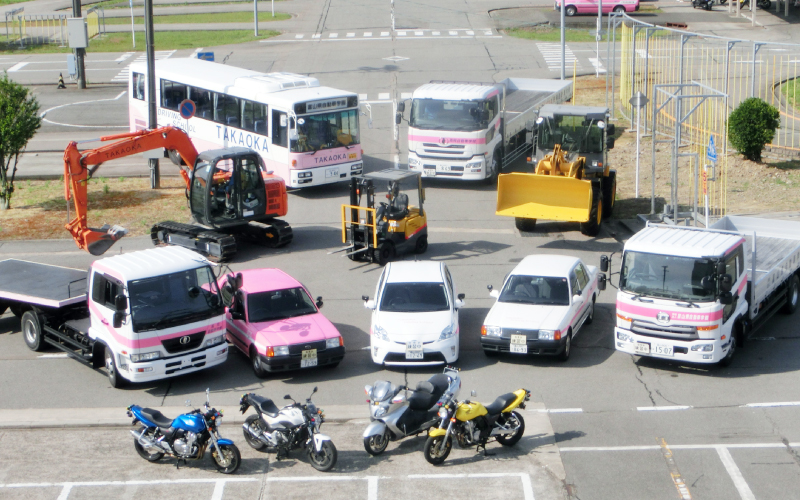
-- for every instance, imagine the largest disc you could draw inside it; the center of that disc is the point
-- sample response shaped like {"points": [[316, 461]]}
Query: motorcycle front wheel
{"points": [[517, 423], [375, 445], [227, 458], [150, 457], [436, 451], [325, 459], [253, 422]]}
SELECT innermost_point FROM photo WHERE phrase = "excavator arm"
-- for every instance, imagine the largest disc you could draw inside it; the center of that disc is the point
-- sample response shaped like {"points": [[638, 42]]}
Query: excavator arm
{"points": [[79, 166]]}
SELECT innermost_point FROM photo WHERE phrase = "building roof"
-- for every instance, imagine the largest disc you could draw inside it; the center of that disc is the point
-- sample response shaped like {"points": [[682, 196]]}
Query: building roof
{"points": [[682, 241], [153, 262], [426, 271], [546, 265]]}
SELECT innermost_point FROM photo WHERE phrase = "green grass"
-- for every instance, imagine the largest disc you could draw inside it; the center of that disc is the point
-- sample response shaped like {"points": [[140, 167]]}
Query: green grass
{"points": [[117, 4], [791, 90], [9, 2], [213, 18], [164, 40], [551, 34]]}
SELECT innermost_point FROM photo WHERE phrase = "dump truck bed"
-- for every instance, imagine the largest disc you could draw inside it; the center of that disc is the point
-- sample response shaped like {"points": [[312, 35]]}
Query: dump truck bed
{"points": [[524, 96], [41, 284], [777, 251]]}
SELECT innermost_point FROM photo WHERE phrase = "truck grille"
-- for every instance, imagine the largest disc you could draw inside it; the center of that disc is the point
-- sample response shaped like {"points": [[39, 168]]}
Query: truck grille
{"points": [[650, 329], [174, 345], [448, 146]]}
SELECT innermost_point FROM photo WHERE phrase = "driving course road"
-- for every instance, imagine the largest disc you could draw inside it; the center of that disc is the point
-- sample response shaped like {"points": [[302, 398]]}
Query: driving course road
{"points": [[625, 428]]}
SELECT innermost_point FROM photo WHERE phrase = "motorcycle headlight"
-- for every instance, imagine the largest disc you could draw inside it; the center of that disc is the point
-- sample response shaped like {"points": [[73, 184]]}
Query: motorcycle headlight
{"points": [[448, 332], [442, 412], [380, 333], [381, 411], [145, 356], [334, 342]]}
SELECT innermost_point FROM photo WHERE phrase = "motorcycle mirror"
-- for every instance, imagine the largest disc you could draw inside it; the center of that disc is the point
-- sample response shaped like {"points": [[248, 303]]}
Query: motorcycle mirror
{"points": [[207, 399], [315, 390], [188, 402], [473, 393], [287, 397]]}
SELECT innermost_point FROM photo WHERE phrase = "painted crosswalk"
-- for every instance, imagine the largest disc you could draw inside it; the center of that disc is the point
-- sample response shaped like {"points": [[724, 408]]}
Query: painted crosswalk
{"points": [[552, 56], [399, 34], [123, 75]]}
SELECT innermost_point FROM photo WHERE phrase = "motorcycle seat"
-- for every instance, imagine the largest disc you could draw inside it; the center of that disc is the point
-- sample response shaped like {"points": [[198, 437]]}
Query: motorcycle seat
{"points": [[440, 383], [156, 417], [500, 403], [266, 405], [423, 397]]}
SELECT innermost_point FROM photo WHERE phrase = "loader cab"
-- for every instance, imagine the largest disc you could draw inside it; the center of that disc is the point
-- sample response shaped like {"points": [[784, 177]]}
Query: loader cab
{"points": [[580, 130], [227, 187]]}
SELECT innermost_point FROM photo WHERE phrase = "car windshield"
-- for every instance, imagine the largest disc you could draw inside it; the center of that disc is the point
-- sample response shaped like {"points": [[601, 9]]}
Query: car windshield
{"points": [[667, 276], [414, 297], [279, 304], [174, 299], [435, 114], [575, 134], [546, 290]]}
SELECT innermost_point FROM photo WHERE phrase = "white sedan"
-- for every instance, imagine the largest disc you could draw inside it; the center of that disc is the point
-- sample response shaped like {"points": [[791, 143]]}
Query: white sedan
{"points": [[545, 301], [414, 315]]}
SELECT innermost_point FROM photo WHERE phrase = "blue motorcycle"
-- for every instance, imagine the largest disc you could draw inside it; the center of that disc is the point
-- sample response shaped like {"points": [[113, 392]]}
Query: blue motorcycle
{"points": [[185, 438]]}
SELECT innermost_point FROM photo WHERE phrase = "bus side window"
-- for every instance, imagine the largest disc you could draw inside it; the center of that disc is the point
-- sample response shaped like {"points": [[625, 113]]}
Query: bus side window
{"points": [[280, 128], [254, 117], [138, 86], [226, 110], [202, 98], [172, 94]]}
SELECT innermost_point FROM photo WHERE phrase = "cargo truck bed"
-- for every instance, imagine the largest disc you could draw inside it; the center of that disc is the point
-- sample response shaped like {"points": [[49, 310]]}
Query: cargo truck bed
{"points": [[41, 284], [524, 96]]}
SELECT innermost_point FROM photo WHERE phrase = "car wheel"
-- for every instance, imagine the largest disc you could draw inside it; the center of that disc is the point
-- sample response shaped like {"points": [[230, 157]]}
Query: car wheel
{"points": [[570, 10], [590, 316], [567, 348], [255, 362], [619, 8]]}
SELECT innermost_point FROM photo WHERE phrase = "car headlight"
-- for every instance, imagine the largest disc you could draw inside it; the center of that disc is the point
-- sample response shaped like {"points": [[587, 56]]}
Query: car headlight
{"points": [[448, 332], [413, 161], [703, 347], [491, 331], [215, 341], [334, 342], [145, 356], [549, 335], [279, 350], [625, 337], [380, 333]]}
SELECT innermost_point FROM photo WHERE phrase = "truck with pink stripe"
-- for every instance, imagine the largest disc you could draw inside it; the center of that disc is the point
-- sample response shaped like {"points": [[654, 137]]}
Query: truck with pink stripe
{"points": [[696, 294], [469, 131], [142, 316]]}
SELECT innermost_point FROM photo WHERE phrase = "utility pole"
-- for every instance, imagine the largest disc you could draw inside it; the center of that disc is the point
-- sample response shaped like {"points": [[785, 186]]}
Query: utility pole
{"points": [[563, 40], [152, 117], [79, 53]]}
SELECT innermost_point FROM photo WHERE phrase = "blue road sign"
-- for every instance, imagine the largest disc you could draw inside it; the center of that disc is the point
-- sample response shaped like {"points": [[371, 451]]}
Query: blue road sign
{"points": [[206, 56], [187, 108], [711, 152]]}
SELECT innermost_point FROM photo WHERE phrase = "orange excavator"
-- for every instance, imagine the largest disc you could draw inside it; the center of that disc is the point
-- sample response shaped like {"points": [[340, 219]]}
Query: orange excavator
{"points": [[229, 192]]}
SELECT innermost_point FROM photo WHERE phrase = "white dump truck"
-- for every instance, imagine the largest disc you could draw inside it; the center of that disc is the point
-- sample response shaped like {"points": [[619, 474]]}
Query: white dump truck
{"points": [[694, 295], [466, 130], [143, 315]]}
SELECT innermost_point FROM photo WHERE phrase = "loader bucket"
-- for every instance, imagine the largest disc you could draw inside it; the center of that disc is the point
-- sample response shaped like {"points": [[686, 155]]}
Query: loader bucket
{"points": [[548, 197]]}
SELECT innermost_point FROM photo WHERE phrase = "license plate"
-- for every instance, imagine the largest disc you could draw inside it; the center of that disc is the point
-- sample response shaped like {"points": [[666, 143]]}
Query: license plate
{"points": [[443, 168], [520, 349], [519, 339], [414, 349], [641, 348], [430, 172], [308, 358], [332, 172], [663, 350]]}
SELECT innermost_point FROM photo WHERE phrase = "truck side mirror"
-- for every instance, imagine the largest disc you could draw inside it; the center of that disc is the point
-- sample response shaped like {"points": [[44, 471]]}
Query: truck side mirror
{"points": [[401, 107], [604, 263], [726, 283], [721, 268], [293, 135], [726, 298], [239, 280], [610, 129], [319, 302], [398, 118], [601, 282], [609, 143], [117, 320], [120, 303]]}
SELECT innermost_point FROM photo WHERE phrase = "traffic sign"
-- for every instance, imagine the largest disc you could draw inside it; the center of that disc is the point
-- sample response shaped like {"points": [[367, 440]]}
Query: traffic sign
{"points": [[638, 100], [711, 152], [187, 108], [206, 56]]}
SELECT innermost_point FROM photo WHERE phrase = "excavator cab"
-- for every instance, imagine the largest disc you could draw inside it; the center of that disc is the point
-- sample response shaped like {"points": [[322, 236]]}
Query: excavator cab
{"points": [[395, 226]]}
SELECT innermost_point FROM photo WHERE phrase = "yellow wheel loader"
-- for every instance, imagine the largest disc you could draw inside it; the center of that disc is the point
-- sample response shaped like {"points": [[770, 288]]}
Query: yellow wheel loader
{"points": [[572, 180]]}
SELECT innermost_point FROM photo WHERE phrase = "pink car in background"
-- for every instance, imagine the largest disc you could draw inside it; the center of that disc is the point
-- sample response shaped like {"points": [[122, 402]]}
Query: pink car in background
{"points": [[590, 6], [278, 326]]}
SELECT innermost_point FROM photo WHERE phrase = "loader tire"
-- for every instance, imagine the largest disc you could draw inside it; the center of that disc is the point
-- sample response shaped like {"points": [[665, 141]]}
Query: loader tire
{"points": [[609, 194], [525, 225], [592, 227]]}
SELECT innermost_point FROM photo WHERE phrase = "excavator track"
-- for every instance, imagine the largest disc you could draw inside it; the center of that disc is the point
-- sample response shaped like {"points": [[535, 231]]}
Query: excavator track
{"points": [[218, 247], [273, 234]]}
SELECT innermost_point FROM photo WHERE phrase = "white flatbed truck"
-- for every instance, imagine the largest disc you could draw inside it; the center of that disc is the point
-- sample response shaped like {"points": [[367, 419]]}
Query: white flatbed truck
{"points": [[143, 315], [694, 295]]}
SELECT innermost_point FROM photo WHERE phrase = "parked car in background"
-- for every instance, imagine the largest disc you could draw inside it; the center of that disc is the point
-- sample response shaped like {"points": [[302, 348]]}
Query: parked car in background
{"points": [[544, 302], [274, 321], [415, 315], [590, 6]]}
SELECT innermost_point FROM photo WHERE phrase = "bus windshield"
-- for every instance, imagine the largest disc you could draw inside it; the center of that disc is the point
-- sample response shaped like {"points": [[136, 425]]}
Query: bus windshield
{"points": [[435, 114], [575, 134], [326, 131], [667, 276]]}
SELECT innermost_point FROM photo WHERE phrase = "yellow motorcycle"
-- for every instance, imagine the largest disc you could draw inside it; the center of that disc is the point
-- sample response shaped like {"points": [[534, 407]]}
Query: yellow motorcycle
{"points": [[473, 424]]}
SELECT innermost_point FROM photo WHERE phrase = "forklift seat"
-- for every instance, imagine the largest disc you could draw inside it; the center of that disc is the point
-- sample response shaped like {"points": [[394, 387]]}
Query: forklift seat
{"points": [[399, 207]]}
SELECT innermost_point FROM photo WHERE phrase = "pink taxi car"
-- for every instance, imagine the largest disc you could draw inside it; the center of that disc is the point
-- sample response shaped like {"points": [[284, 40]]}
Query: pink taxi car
{"points": [[278, 326]]}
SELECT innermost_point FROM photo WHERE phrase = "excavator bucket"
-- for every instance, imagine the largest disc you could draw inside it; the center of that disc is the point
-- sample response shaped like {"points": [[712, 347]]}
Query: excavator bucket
{"points": [[548, 197]]}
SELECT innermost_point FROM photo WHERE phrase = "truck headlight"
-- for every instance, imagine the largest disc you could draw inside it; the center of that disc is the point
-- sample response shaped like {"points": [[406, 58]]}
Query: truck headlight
{"points": [[624, 337], [215, 341], [145, 356], [703, 347], [413, 162], [380, 333], [475, 164], [448, 332], [491, 331], [334, 342]]}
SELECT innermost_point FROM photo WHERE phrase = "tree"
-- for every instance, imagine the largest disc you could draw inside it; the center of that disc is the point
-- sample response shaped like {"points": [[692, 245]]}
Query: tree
{"points": [[751, 126], [19, 120]]}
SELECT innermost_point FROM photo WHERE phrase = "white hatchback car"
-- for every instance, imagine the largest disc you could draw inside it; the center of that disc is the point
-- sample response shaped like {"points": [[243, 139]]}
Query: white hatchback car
{"points": [[414, 315], [545, 301]]}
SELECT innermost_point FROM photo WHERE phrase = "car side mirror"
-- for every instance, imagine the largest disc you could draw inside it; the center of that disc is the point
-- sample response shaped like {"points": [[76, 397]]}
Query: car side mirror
{"points": [[459, 304], [319, 302], [609, 143], [370, 304], [489, 287], [398, 118], [401, 107], [576, 298], [495, 294], [707, 282], [461, 296], [473, 393], [726, 283], [365, 298], [120, 302], [601, 282], [726, 298], [117, 320], [315, 390], [604, 263]]}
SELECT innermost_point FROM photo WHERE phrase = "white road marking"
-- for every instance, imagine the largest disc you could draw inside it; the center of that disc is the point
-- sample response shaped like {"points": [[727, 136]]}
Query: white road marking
{"points": [[123, 75], [662, 408], [367, 34], [351, 35], [316, 35], [362, 97], [219, 489], [487, 32], [435, 33], [560, 410], [470, 32], [418, 33], [129, 54], [598, 66], [372, 487], [333, 35], [60, 355], [44, 113], [401, 33], [678, 447], [736, 475], [771, 405], [299, 36], [551, 52], [17, 67], [384, 33], [405, 95], [383, 95], [453, 33], [527, 487]]}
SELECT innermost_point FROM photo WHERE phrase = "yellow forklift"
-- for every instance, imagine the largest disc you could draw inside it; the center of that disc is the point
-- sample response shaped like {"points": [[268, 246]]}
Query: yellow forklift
{"points": [[394, 227]]}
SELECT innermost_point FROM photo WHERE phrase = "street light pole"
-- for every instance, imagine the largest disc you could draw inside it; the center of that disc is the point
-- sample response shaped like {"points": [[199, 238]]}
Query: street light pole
{"points": [[563, 41], [152, 117]]}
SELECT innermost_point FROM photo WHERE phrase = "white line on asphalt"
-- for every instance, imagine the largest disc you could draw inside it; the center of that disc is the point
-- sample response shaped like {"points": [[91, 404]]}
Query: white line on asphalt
{"points": [[17, 67], [299, 36], [219, 489], [405, 95], [771, 405], [299, 479], [560, 410], [662, 408], [60, 355], [126, 55], [44, 113], [129, 483], [735, 473], [678, 447], [527, 487], [383, 96], [351, 35], [372, 487], [334, 39], [362, 97]]}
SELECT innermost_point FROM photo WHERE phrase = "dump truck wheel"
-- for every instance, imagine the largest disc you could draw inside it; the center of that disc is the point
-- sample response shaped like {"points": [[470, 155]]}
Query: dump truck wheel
{"points": [[526, 225], [592, 228], [609, 194]]}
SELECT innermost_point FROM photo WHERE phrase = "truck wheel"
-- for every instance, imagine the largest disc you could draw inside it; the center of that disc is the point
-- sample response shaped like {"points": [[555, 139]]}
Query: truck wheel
{"points": [[525, 225], [384, 253], [114, 378], [793, 289], [609, 194], [736, 336], [592, 227], [32, 331], [493, 169]]}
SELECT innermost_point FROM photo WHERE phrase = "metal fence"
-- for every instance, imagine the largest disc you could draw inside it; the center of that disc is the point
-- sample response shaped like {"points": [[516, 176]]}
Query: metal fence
{"points": [[693, 82], [49, 29]]}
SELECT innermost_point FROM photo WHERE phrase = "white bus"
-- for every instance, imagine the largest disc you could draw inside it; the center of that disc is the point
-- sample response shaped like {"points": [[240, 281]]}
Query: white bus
{"points": [[307, 134]]}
